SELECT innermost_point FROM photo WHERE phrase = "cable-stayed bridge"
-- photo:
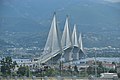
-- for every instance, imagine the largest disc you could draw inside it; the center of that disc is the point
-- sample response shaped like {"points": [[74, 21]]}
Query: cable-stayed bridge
{"points": [[68, 47]]}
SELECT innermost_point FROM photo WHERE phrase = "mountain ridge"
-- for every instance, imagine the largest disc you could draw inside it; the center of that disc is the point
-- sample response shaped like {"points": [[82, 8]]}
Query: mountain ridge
{"points": [[34, 16]]}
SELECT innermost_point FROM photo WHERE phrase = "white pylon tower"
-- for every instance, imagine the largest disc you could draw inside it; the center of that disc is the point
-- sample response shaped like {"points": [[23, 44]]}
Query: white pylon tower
{"points": [[80, 42], [52, 46], [66, 40], [53, 41], [75, 37], [75, 44], [81, 50]]}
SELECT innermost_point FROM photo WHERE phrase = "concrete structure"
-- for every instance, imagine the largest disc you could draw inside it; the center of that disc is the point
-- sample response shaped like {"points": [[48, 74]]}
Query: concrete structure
{"points": [[108, 65], [68, 48]]}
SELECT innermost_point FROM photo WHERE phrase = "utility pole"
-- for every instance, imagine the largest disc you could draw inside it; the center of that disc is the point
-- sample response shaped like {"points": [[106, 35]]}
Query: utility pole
{"points": [[85, 65], [95, 66], [61, 64]]}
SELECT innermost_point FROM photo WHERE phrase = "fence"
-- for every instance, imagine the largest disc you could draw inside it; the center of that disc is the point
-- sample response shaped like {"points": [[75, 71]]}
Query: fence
{"points": [[53, 78]]}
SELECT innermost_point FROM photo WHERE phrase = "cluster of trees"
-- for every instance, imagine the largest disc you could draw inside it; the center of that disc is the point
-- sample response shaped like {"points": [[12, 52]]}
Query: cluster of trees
{"points": [[100, 69], [46, 71], [7, 66], [10, 68], [50, 71]]}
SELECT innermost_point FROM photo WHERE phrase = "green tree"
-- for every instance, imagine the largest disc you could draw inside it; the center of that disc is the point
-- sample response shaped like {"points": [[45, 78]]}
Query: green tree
{"points": [[76, 69], [7, 65], [90, 70], [112, 71], [23, 70], [100, 64], [51, 72], [100, 70]]}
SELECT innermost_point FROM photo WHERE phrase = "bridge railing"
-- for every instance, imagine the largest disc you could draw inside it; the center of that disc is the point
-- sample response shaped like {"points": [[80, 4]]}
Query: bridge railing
{"points": [[45, 57], [54, 78]]}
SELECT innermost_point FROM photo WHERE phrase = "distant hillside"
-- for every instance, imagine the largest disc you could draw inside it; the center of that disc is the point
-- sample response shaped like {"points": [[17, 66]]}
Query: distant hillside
{"points": [[36, 16], [92, 16], [18, 24], [4, 43]]}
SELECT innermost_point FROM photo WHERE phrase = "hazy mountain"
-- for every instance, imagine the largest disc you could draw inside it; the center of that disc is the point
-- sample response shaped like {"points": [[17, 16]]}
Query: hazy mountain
{"points": [[36, 15], [4, 44]]}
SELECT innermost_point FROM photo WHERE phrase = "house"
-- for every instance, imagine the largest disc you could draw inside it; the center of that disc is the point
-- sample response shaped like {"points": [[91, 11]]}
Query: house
{"points": [[109, 65]]}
